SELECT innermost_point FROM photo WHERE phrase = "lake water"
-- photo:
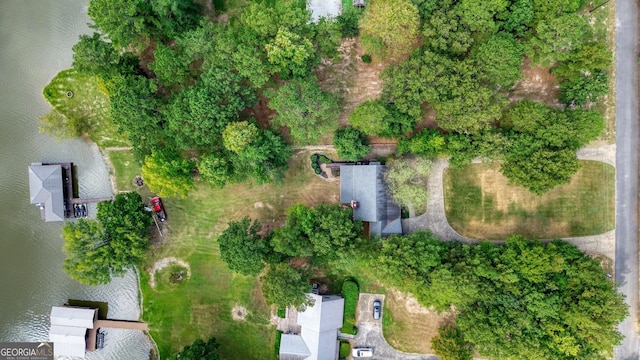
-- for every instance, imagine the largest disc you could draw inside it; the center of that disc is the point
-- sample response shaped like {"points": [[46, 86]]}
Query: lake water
{"points": [[36, 37]]}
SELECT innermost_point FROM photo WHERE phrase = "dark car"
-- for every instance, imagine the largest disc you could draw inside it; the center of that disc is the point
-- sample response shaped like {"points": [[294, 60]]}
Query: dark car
{"points": [[156, 203], [377, 306]]}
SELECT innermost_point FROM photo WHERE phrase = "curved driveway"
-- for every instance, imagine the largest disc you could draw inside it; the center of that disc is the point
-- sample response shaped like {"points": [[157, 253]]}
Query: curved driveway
{"points": [[627, 170]]}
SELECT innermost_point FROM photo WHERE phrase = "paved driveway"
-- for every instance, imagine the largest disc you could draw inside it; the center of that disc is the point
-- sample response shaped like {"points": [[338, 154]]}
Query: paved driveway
{"points": [[627, 170], [370, 332]]}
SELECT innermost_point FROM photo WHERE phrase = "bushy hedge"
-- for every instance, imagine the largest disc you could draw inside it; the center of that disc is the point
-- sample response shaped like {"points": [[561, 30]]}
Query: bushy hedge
{"points": [[350, 293]]}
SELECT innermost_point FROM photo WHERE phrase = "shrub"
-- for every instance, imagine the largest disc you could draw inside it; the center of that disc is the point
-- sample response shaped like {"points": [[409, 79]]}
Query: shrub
{"points": [[277, 344], [325, 160], [345, 349], [366, 58], [318, 171], [350, 293], [282, 313]]}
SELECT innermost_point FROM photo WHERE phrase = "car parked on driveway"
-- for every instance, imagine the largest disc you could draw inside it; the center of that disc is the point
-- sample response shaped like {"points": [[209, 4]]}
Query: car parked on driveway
{"points": [[377, 309], [156, 203], [362, 352]]}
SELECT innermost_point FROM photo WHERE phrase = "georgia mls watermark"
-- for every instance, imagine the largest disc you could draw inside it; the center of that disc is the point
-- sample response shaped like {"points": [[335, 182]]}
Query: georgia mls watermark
{"points": [[26, 351]]}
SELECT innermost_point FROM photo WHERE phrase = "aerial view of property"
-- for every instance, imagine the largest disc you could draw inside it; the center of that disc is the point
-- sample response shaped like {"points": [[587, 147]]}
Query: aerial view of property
{"points": [[319, 179]]}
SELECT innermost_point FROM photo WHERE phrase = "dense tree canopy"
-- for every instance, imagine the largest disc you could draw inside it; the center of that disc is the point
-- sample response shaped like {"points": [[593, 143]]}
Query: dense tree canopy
{"points": [[306, 109], [167, 173], [109, 245], [197, 116], [242, 248], [351, 144], [545, 140], [522, 300], [389, 27], [323, 232], [284, 286]]}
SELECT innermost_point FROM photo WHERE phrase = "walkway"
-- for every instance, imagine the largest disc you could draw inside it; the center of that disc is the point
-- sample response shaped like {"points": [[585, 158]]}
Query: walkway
{"points": [[627, 171], [435, 218]]}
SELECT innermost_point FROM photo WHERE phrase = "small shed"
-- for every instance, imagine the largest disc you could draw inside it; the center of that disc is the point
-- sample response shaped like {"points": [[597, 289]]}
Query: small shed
{"points": [[358, 3]]}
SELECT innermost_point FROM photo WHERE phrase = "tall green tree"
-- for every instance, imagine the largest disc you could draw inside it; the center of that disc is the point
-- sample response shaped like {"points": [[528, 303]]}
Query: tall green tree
{"points": [[242, 248], [170, 65], [238, 135], [200, 350], [556, 38], [167, 173], [407, 180], [197, 115], [134, 109], [306, 109], [499, 60], [351, 143], [290, 54], [109, 245], [284, 286], [451, 345], [389, 27]]}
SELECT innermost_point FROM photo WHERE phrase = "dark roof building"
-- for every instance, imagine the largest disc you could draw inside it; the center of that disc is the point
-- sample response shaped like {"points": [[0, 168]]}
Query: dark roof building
{"points": [[46, 190], [364, 187]]}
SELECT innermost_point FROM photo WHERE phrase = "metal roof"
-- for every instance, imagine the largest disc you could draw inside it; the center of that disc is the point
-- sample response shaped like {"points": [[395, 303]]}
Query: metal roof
{"points": [[45, 189], [292, 347], [73, 316]]}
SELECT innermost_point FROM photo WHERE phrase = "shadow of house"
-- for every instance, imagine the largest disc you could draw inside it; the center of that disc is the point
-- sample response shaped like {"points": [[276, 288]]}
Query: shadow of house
{"points": [[319, 327], [363, 188]]}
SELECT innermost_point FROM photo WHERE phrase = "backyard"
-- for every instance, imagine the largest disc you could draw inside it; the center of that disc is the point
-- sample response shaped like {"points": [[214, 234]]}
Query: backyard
{"points": [[481, 204], [200, 305]]}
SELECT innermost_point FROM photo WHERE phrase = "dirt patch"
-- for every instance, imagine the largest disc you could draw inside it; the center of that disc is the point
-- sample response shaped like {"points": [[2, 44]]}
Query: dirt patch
{"points": [[537, 84], [413, 325], [261, 112], [163, 263], [239, 313], [355, 80]]}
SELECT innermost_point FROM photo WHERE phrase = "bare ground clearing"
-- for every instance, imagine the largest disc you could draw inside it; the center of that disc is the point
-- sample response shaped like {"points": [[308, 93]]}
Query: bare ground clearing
{"points": [[413, 325]]}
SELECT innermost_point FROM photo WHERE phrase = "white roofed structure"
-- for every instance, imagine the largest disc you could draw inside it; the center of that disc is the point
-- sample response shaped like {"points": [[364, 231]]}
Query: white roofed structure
{"points": [[319, 330], [68, 329]]}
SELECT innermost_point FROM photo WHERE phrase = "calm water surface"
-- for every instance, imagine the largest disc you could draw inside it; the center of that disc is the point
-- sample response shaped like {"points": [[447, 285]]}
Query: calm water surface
{"points": [[36, 37]]}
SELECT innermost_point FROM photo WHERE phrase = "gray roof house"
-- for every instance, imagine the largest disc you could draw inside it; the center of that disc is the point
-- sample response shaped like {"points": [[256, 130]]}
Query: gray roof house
{"points": [[46, 190], [365, 185], [319, 326]]}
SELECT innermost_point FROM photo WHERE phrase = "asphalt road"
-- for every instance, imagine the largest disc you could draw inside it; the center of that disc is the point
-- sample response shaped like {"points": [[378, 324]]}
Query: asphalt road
{"points": [[627, 171]]}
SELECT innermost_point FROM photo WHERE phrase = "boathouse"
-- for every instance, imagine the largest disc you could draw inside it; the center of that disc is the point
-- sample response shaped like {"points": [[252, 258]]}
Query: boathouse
{"points": [[50, 186]]}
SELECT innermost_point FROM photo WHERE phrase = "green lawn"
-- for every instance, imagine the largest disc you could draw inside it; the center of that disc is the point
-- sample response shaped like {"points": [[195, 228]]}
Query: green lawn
{"points": [[481, 204], [87, 110], [201, 306], [125, 167]]}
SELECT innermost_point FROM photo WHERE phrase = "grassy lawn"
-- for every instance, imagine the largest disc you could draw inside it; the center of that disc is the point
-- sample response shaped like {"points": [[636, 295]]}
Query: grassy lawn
{"points": [[88, 109], [481, 204], [125, 168], [201, 306]]}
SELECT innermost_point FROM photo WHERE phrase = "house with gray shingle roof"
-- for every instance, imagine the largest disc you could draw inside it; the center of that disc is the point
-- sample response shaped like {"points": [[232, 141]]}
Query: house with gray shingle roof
{"points": [[363, 187], [46, 190]]}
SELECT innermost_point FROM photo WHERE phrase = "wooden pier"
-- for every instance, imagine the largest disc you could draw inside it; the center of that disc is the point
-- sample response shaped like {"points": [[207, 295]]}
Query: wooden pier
{"points": [[90, 200]]}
